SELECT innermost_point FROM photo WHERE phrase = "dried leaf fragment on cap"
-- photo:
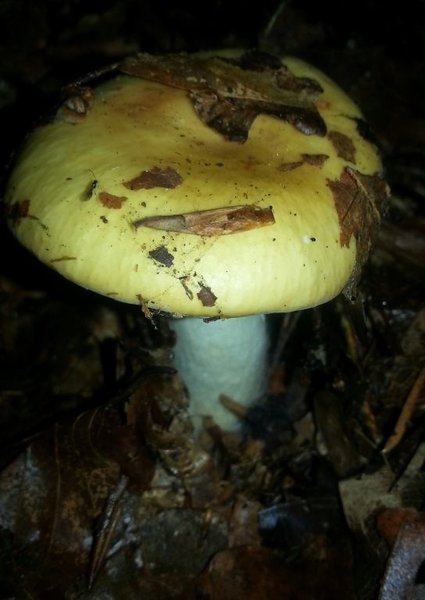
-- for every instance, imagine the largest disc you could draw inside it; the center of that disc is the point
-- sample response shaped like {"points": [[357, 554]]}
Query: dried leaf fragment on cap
{"points": [[155, 177], [218, 221], [111, 201], [360, 201], [228, 94]]}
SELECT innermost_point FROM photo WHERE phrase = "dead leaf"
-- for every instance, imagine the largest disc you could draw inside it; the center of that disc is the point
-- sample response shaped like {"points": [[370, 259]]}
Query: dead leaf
{"points": [[360, 201], [111, 201], [258, 573], [228, 94], [156, 177], [217, 221]]}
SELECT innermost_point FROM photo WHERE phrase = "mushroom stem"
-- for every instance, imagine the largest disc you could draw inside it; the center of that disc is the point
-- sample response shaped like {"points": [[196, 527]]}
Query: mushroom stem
{"points": [[225, 357]]}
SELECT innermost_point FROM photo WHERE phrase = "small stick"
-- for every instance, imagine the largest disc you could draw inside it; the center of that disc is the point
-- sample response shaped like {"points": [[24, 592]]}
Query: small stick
{"points": [[406, 413], [109, 521], [235, 408], [95, 74]]}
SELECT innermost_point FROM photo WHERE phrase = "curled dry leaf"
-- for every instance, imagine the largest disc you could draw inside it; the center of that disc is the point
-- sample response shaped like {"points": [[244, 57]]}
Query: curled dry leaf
{"points": [[217, 221], [18, 210], [229, 94]]}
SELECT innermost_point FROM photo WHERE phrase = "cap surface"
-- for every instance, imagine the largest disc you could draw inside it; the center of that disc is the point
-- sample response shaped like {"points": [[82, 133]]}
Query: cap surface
{"points": [[153, 189]]}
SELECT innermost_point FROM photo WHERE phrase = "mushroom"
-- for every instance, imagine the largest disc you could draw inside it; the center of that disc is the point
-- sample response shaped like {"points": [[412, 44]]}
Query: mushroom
{"points": [[214, 189]]}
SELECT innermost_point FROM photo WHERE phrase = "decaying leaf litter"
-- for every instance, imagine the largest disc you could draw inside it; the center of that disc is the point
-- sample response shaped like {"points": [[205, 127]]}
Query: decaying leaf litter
{"points": [[103, 491]]}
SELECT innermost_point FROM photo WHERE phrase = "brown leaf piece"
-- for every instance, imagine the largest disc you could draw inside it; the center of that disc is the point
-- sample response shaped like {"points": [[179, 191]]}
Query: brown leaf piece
{"points": [[217, 221], [229, 94], [162, 256], [206, 296], [156, 177], [18, 210], [59, 485], [343, 145], [316, 160], [111, 201], [360, 200]]}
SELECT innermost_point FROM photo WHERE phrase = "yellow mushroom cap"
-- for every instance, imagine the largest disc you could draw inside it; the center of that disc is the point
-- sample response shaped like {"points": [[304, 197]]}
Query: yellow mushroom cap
{"points": [[152, 188]]}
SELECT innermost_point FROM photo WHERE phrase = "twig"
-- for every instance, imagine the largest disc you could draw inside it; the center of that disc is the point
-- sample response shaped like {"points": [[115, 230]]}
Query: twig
{"points": [[406, 414], [109, 521]]}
